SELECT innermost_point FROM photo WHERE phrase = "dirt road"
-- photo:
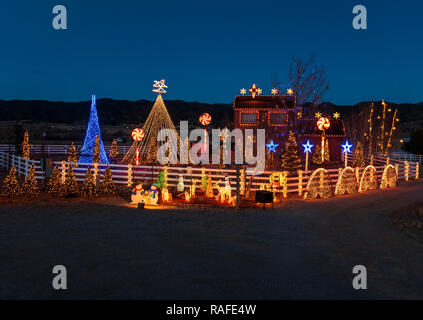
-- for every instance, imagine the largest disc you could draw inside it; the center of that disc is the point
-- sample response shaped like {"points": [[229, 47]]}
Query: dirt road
{"points": [[302, 250]]}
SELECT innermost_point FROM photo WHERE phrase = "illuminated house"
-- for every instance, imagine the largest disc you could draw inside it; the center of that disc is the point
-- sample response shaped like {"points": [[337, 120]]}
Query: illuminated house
{"points": [[276, 114]]}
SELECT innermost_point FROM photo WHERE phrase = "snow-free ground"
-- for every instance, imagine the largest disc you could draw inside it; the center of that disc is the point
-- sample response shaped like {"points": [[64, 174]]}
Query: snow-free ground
{"points": [[300, 250]]}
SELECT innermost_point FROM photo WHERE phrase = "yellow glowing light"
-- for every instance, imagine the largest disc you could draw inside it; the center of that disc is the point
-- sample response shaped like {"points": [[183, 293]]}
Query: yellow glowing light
{"points": [[299, 115], [243, 91], [336, 115], [318, 115], [274, 91], [290, 92], [383, 103], [402, 141], [160, 85], [255, 91]]}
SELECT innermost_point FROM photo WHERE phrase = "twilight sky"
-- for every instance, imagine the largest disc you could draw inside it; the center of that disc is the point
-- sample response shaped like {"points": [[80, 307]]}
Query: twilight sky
{"points": [[207, 50]]}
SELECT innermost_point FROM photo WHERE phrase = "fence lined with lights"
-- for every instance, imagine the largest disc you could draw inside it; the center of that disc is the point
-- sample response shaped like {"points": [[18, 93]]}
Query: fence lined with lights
{"points": [[22, 165], [55, 149], [127, 174]]}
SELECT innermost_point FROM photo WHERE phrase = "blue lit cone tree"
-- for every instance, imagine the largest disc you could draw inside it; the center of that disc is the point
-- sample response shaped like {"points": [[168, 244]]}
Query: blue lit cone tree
{"points": [[93, 130]]}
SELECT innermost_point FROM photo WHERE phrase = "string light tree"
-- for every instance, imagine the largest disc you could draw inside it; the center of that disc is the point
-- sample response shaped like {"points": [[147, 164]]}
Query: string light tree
{"points": [[72, 155], [107, 186], [25, 146], [54, 184], [158, 121], [70, 186], [88, 187], [11, 186], [93, 139], [114, 150], [30, 186], [379, 140], [290, 159], [358, 160]]}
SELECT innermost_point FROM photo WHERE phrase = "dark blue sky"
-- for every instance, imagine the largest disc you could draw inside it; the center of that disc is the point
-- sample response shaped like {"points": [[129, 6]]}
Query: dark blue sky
{"points": [[207, 50]]}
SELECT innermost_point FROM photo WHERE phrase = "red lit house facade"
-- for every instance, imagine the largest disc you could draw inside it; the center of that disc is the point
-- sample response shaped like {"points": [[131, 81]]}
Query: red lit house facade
{"points": [[277, 115]]}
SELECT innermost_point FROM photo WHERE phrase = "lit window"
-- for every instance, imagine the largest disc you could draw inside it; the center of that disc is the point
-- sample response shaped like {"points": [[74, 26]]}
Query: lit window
{"points": [[277, 118], [248, 118]]}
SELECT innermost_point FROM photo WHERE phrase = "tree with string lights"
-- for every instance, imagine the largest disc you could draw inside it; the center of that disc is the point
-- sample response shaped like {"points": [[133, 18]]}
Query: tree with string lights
{"points": [[107, 186], [88, 187], [72, 155], [11, 186], [54, 184], [25, 146], [30, 186], [290, 158], [114, 150], [70, 186]]}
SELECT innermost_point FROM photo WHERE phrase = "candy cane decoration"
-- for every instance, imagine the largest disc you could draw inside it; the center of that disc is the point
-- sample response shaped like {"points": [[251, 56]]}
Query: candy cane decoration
{"points": [[205, 120], [137, 135], [323, 124]]}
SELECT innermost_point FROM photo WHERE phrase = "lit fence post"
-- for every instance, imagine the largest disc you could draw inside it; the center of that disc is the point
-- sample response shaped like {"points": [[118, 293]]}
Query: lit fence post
{"points": [[417, 170], [407, 170], [300, 182], [397, 170], [129, 183]]}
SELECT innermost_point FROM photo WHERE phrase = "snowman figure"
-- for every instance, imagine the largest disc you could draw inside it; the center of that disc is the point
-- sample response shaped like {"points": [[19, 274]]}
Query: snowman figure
{"points": [[153, 195], [138, 194], [180, 186]]}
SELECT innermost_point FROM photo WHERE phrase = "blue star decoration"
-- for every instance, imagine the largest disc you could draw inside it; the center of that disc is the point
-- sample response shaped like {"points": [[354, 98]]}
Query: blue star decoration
{"points": [[346, 147], [271, 147], [307, 147]]}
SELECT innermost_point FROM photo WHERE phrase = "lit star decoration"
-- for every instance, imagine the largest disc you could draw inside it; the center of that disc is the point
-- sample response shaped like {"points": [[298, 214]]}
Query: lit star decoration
{"points": [[255, 91], [271, 147], [274, 91], [307, 147], [160, 85], [346, 147], [290, 92], [336, 115], [243, 91], [318, 115]]}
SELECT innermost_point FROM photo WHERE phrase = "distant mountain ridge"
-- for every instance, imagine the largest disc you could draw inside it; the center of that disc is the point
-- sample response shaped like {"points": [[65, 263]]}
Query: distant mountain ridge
{"points": [[118, 112]]}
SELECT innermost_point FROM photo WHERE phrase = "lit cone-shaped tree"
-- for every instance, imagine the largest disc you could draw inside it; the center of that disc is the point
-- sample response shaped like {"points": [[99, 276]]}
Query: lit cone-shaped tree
{"points": [[72, 155], [327, 154], [11, 186], [96, 155], [317, 155], [88, 187], [152, 152], [290, 159], [358, 160], [25, 146], [70, 187], [30, 187], [157, 121], [114, 150], [93, 130], [54, 184], [209, 188], [107, 186]]}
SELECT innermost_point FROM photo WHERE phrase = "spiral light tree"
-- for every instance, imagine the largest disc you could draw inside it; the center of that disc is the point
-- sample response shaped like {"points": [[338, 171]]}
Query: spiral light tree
{"points": [[323, 124]]}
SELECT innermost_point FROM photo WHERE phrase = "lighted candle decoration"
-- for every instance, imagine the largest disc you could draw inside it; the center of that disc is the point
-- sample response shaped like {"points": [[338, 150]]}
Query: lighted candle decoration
{"points": [[307, 150], [323, 124], [205, 120], [346, 149], [137, 135]]}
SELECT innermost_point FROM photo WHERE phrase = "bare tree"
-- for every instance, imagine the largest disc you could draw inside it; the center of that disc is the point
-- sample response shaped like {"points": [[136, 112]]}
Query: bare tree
{"points": [[309, 83]]}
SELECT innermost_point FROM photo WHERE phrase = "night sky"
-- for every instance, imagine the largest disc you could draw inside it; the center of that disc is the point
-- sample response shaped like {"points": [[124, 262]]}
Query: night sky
{"points": [[207, 50]]}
